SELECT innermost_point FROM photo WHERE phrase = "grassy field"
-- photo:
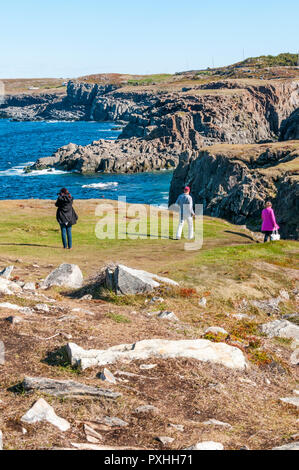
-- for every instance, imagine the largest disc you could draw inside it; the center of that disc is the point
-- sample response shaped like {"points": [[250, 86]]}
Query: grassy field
{"points": [[230, 271]]}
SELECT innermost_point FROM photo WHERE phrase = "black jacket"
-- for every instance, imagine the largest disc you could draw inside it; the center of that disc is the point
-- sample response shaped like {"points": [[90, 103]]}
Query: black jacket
{"points": [[65, 214]]}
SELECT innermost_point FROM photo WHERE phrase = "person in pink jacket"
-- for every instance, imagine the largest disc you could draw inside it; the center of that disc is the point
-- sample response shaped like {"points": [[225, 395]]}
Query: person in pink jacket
{"points": [[269, 222]]}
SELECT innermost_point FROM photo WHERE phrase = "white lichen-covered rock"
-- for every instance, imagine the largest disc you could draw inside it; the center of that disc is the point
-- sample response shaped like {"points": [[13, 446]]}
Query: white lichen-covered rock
{"points": [[206, 445], [293, 401], [42, 411], [6, 272], [281, 329], [216, 329], [8, 287], [66, 275], [124, 280], [291, 446], [294, 359], [200, 349]]}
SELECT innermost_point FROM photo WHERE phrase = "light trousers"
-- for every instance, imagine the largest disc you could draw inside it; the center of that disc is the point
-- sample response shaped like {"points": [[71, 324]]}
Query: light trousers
{"points": [[190, 228]]}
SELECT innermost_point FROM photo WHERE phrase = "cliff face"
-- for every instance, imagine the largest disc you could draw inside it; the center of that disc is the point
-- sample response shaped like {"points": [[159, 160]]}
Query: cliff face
{"points": [[233, 182], [290, 127]]}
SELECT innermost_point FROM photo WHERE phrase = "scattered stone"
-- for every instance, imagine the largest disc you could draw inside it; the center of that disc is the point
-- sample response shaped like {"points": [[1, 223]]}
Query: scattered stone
{"points": [[296, 392], [2, 353], [92, 435], [84, 446], [247, 381], [177, 427], [242, 316], [294, 359], [147, 366], [215, 422], [87, 312], [124, 280], [42, 307], [294, 401], [216, 329], [66, 275], [35, 265], [6, 272], [8, 287], [108, 376], [202, 302], [29, 286], [86, 297], [284, 295], [281, 329], [165, 315], [146, 409], [65, 388], [14, 319], [156, 300], [1, 441], [200, 349], [206, 445], [112, 421], [42, 411], [10, 306], [292, 446], [165, 439], [269, 306]]}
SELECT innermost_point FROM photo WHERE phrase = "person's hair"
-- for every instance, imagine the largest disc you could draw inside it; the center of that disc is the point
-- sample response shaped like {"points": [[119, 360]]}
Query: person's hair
{"points": [[268, 204], [64, 192]]}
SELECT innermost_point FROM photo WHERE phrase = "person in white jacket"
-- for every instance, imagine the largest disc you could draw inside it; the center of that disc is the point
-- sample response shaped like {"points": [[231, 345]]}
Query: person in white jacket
{"points": [[184, 201]]}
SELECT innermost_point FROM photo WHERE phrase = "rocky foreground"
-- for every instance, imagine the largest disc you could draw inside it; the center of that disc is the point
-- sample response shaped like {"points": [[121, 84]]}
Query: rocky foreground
{"points": [[70, 381]]}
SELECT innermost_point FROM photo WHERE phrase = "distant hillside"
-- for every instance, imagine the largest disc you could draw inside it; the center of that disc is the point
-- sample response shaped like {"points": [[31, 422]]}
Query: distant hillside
{"points": [[285, 59]]}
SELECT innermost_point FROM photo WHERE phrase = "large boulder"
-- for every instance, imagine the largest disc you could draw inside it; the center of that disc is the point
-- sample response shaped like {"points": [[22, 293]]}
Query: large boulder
{"points": [[281, 329], [200, 349], [66, 275], [124, 280]]}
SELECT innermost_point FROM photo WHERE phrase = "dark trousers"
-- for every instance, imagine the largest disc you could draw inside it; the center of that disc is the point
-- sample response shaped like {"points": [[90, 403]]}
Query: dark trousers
{"points": [[66, 235], [267, 236]]}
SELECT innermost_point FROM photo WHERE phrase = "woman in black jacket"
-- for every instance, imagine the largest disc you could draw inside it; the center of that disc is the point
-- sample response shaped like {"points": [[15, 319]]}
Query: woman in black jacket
{"points": [[66, 216]]}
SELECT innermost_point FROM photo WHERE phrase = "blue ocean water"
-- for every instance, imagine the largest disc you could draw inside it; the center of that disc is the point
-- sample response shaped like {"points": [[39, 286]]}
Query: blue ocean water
{"points": [[21, 143]]}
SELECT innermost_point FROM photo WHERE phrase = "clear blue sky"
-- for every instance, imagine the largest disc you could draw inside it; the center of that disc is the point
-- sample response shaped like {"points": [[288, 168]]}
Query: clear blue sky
{"points": [[69, 38]]}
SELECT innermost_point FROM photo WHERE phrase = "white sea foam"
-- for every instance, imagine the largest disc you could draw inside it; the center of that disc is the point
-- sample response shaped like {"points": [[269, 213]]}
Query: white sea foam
{"points": [[19, 171], [112, 184]]}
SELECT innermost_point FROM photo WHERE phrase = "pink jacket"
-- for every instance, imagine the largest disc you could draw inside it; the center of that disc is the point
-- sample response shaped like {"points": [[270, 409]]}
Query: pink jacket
{"points": [[269, 221]]}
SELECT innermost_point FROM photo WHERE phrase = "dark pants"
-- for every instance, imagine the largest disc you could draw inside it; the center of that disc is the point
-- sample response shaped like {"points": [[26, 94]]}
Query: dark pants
{"points": [[267, 236], [66, 235]]}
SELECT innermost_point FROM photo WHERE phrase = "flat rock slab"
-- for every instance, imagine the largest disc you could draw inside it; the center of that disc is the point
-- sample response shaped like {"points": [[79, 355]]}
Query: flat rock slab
{"points": [[200, 349], [124, 280], [206, 445], [42, 411], [292, 446], [294, 401], [65, 388], [66, 275], [281, 329]]}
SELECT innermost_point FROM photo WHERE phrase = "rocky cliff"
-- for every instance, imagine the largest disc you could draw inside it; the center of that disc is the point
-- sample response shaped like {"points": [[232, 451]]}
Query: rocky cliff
{"points": [[234, 181], [164, 123]]}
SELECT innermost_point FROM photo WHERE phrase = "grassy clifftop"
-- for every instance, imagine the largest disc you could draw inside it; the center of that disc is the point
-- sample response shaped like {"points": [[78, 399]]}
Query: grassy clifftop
{"points": [[230, 271]]}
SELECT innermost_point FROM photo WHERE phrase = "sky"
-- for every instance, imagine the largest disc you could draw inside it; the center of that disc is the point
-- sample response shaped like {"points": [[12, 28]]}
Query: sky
{"points": [[71, 38]]}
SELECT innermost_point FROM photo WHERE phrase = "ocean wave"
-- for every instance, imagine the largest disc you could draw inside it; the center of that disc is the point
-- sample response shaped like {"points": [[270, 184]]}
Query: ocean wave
{"points": [[19, 171], [112, 184]]}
